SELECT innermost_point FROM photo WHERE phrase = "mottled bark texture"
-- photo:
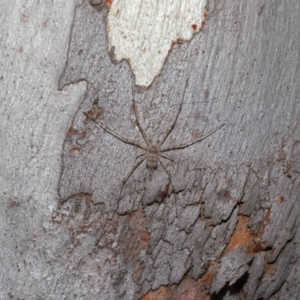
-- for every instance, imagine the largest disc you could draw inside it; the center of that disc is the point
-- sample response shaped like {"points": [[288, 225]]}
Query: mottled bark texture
{"points": [[224, 213], [220, 218]]}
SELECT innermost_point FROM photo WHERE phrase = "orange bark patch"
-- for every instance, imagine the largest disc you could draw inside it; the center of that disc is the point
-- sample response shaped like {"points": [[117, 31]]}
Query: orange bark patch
{"points": [[188, 289], [210, 273], [281, 199], [70, 131], [194, 27], [161, 293], [258, 247], [241, 236], [75, 150]]}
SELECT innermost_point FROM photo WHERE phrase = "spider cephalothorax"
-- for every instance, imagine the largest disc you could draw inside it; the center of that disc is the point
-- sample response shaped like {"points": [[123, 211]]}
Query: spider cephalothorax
{"points": [[153, 152]]}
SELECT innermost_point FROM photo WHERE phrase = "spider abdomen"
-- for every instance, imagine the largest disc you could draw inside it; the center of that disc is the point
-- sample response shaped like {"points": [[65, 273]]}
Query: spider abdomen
{"points": [[152, 158]]}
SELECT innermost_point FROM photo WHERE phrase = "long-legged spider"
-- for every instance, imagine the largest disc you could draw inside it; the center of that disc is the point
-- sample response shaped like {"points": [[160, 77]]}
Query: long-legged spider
{"points": [[153, 153]]}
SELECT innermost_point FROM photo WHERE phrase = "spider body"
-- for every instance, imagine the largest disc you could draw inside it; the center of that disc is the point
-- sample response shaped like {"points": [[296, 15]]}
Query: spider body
{"points": [[152, 152], [152, 157]]}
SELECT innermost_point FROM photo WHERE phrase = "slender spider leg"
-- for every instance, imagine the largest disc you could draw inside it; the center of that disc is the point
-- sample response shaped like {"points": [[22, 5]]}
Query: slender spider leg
{"points": [[140, 155], [165, 169], [171, 127], [139, 124], [116, 135], [184, 145], [166, 157], [129, 174]]}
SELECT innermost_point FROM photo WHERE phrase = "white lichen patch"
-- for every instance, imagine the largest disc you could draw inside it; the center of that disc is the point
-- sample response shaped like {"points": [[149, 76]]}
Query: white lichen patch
{"points": [[143, 31]]}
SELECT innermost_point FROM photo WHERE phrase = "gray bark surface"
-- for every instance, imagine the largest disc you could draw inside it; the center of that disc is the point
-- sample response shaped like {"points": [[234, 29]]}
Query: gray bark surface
{"points": [[219, 220]]}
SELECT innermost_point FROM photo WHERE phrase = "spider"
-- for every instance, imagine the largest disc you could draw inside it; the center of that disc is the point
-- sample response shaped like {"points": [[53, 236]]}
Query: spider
{"points": [[152, 153]]}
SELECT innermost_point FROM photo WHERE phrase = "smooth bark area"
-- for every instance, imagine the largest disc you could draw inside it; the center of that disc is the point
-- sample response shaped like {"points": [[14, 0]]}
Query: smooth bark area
{"points": [[216, 219]]}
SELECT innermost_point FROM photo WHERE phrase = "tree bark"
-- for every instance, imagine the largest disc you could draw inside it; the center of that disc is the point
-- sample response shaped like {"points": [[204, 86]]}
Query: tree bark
{"points": [[217, 218]]}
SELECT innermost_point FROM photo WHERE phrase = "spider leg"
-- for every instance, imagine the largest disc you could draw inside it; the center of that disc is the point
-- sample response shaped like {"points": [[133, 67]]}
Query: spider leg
{"points": [[135, 166], [116, 135], [171, 127], [187, 144], [140, 155], [165, 169], [166, 157], [139, 124]]}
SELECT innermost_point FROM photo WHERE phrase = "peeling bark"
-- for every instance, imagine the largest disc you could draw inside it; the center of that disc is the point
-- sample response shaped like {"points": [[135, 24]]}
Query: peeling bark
{"points": [[236, 181], [218, 219]]}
